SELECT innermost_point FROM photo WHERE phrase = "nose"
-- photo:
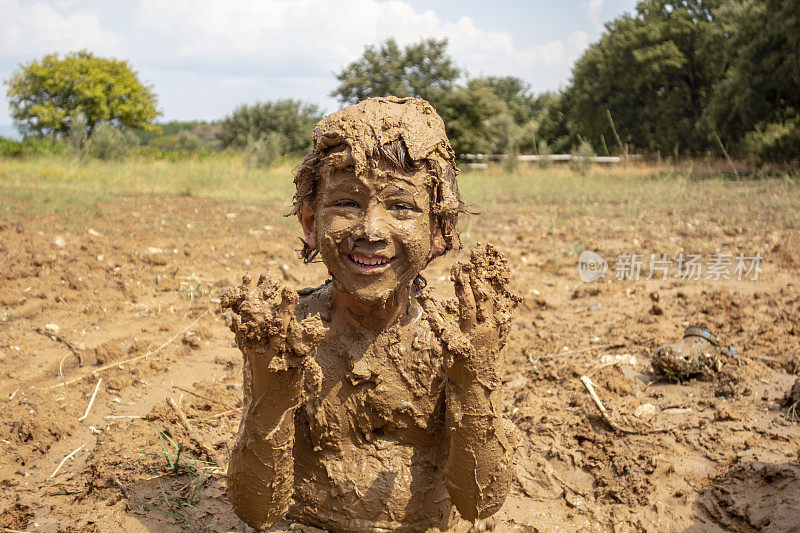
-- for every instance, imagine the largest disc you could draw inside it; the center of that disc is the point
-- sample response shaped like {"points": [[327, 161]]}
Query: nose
{"points": [[374, 225]]}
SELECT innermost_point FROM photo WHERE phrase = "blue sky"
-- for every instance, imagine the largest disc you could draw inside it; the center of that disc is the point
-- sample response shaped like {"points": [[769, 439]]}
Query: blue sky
{"points": [[205, 57]]}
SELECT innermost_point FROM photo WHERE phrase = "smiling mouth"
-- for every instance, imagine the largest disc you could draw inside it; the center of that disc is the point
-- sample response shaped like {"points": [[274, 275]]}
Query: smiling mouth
{"points": [[366, 263]]}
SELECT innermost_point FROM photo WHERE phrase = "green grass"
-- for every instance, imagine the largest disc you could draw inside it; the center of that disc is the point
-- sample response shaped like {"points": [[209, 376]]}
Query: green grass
{"points": [[637, 193], [63, 183], [176, 462]]}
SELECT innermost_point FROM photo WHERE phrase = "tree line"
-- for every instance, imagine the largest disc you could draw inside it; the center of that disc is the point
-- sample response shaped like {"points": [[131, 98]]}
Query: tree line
{"points": [[682, 77]]}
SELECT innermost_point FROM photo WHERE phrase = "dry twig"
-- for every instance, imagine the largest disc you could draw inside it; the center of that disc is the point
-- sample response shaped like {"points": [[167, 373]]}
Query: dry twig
{"points": [[223, 404], [63, 341], [604, 413], [64, 460], [91, 401]]}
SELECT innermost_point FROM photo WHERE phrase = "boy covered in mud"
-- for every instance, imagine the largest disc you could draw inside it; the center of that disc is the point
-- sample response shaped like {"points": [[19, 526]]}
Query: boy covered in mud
{"points": [[369, 405]]}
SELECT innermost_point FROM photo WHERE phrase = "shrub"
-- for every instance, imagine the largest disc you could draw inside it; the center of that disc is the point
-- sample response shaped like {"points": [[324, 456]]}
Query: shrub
{"points": [[543, 149], [265, 150], [773, 142], [108, 143], [581, 157], [188, 141], [292, 119], [31, 147]]}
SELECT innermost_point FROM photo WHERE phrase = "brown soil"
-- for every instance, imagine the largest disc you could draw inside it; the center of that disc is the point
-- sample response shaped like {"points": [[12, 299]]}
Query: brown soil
{"points": [[724, 456]]}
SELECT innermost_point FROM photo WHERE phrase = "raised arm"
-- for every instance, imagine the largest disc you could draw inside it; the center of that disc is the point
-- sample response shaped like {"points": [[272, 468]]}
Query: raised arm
{"points": [[478, 470], [279, 374]]}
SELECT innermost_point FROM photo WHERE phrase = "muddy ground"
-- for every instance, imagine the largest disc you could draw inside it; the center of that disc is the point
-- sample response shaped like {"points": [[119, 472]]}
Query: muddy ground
{"points": [[128, 291]]}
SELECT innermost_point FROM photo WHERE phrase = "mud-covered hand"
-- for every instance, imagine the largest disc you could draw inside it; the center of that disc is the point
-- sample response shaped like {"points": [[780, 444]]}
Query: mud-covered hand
{"points": [[268, 332], [485, 310]]}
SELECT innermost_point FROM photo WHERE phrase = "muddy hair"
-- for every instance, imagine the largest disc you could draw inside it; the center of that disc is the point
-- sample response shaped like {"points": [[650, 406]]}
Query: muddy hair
{"points": [[446, 202]]}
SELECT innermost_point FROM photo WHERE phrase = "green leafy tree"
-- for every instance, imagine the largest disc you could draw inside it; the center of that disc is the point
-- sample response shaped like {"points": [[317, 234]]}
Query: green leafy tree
{"points": [[757, 104], [45, 95], [423, 70], [476, 118], [552, 131], [292, 120], [653, 71]]}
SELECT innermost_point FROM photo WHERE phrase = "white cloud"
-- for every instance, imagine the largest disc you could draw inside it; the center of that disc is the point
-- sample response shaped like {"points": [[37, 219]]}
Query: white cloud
{"points": [[28, 31], [593, 8], [307, 37], [204, 57]]}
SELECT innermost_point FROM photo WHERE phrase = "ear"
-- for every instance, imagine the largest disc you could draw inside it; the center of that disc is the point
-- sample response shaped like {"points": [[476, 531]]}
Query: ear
{"points": [[306, 215], [438, 244]]}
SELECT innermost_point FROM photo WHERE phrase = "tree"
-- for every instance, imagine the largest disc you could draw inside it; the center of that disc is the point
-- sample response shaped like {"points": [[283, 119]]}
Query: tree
{"points": [[45, 95], [423, 70], [476, 118], [654, 72], [758, 101], [285, 122]]}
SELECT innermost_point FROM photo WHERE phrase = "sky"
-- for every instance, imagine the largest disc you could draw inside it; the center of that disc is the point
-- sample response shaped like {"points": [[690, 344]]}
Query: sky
{"points": [[206, 57]]}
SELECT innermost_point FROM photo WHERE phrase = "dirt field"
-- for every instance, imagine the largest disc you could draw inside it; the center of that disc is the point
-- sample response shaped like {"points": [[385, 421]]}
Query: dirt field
{"points": [[127, 289]]}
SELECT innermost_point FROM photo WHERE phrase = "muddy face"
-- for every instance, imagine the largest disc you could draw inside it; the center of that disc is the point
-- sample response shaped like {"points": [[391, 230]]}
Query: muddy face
{"points": [[374, 230]]}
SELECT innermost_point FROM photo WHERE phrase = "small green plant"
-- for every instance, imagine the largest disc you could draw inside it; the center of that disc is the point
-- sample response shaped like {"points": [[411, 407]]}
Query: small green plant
{"points": [[177, 462], [192, 292], [582, 156]]}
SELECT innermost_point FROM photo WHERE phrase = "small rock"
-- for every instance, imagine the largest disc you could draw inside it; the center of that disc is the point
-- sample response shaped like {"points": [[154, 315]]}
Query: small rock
{"points": [[59, 241], [656, 310], [192, 340], [645, 411], [230, 216], [725, 412], [94, 233], [52, 328]]}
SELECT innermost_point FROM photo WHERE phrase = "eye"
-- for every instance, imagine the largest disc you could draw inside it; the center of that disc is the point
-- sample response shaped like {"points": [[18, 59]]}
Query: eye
{"points": [[345, 203], [401, 206]]}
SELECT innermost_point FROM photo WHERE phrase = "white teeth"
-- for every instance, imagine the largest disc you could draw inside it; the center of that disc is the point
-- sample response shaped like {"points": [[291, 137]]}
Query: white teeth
{"points": [[369, 261]]}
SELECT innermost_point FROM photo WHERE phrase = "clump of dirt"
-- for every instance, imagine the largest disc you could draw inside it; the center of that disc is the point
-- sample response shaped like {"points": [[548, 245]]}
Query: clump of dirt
{"points": [[108, 352], [34, 421], [793, 396], [17, 517]]}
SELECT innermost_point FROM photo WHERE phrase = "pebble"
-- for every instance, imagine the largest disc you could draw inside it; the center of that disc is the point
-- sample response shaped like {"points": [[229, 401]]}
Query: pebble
{"points": [[645, 411]]}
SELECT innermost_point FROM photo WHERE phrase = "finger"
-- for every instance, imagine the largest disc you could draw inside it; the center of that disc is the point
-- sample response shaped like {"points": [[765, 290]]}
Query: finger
{"points": [[285, 311], [466, 299], [269, 286], [432, 314], [482, 294]]}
